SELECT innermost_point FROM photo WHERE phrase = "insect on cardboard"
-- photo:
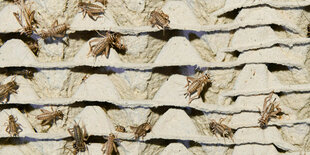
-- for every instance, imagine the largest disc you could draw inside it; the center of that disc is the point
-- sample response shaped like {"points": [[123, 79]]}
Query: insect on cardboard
{"points": [[48, 116], [13, 128], [104, 44], [91, 10], [28, 16], [55, 30], [222, 129], [109, 146], [120, 128], [7, 89], [268, 111], [27, 73], [196, 85], [159, 19], [141, 130], [80, 137]]}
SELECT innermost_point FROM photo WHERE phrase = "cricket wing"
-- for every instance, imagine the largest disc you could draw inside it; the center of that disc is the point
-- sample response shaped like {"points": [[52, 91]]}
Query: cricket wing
{"points": [[43, 116], [47, 121]]}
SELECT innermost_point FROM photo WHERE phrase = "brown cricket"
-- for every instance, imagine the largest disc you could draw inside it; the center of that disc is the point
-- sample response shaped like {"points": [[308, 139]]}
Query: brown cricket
{"points": [[28, 16], [104, 44], [55, 31], [48, 116], [109, 146], [141, 130], [7, 89], [160, 19], [91, 10], [268, 111], [80, 137], [120, 128], [13, 128], [196, 84], [221, 129], [27, 73]]}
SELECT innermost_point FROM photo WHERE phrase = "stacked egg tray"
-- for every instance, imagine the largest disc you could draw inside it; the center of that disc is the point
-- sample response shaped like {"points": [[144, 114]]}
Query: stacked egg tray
{"points": [[249, 47]]}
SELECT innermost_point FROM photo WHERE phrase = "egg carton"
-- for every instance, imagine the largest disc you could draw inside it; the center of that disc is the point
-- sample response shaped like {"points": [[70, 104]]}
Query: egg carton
{"points": [[246, 83], [98, 87], [38, 148], [49, 144], [163, 98], [269, 149], [23, 57], [165, 58], [170, 126], [248, 69], [171, 8], [252, 85], [259, 50], [174, 8], [267, 44], [48, 147], [232, 5]]}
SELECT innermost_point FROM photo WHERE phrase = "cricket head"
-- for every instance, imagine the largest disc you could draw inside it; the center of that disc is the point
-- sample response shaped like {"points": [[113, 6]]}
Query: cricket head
{"points": [[263, 122], [212, 124], [11, 118], [59, 114]]}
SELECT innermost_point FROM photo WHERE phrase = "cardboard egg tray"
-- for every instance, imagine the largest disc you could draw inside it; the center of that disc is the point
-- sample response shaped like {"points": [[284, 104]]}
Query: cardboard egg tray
{"points": [[130, 92]]}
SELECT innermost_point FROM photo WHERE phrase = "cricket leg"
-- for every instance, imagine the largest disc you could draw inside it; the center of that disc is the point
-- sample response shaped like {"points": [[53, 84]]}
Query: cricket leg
{"points": [[158, 26], [100, 34], [189, 80], [84, 14], [90, 15], [16, 15], [7, 129], [107, 51], [55, 23], [187, 94], [60, 35], [221, 120], [190, 100], [216, 136], [6, 99], [231, 138], [115, 148], [97, 17], [90, 46], [85, 134], [71, 132], [103, 149], [199, 90]]}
